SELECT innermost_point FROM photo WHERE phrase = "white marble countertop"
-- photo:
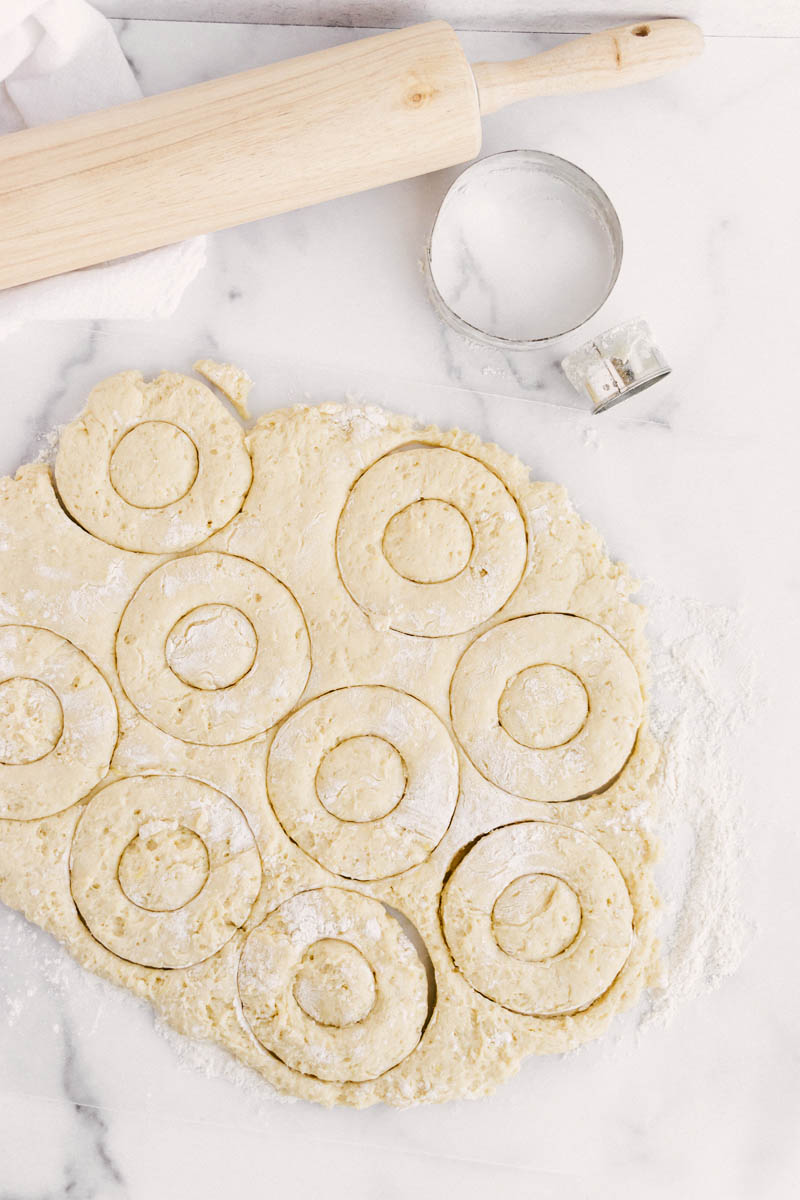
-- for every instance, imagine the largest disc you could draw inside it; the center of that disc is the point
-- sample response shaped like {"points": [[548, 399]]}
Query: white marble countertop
{"points": [[693, 483]]}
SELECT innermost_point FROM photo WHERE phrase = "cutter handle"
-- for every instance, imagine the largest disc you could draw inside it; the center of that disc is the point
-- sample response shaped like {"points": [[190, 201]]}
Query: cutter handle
{"points": [[613, 58]]}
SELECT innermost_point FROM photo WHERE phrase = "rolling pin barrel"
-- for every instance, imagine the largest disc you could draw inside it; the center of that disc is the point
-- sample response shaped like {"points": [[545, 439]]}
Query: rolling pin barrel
{"points": [[280, 137]]}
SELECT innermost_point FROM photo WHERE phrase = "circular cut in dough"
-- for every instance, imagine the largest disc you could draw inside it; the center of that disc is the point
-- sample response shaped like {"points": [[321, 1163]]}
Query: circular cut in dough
{"points": [[331, 759], [31, 720], [126, 836], [504, 684], [154, 466], [424, 568], [553, 974], [153, 630], [59, 723], [331, 984]]}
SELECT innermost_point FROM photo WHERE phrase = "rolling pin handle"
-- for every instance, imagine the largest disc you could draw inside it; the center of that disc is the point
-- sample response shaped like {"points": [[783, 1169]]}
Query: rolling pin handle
{"points": [[613, 58]]}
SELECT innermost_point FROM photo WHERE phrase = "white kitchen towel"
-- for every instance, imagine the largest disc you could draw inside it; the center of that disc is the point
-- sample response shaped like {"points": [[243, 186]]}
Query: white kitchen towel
{"points": [[60, 58]]}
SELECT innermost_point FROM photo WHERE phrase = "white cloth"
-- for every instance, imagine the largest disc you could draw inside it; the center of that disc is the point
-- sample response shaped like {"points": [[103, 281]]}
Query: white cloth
{"points": [[60, 58]]}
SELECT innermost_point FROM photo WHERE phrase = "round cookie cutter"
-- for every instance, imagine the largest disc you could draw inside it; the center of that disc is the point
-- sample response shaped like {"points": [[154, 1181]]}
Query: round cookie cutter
{"points": [[525, 248], [616, 364]]}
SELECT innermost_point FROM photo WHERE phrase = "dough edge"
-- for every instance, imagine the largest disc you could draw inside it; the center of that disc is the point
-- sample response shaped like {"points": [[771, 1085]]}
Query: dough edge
{"points": [[492, 1042]]}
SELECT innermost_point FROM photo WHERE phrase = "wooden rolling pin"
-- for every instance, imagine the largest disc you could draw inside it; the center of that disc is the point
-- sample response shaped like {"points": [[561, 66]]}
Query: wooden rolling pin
{"points": [[280, 137]]}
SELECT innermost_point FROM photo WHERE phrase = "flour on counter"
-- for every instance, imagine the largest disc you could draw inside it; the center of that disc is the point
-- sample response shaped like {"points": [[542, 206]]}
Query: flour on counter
{"points": [[215, 1063], [702, 696], [47, 445]]}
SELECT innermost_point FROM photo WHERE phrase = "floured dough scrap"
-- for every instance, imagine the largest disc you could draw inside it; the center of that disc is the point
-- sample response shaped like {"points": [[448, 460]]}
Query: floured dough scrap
{"points": [[153, 466], [232, 381], [377, 819]]}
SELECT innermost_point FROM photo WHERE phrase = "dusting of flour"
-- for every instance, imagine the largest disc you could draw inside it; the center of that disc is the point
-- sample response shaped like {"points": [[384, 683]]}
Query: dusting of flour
{"points": [[215, 1063], [47, 446], [702, 697]]}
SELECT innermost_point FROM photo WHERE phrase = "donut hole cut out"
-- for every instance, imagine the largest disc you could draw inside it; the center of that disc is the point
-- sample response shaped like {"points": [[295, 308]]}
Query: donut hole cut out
{"points": [[153, 465], [212, 647], [334, 984], [361, 779], [162, 869], [31, 720], [428, 541], [543, 706], [536, 917]]}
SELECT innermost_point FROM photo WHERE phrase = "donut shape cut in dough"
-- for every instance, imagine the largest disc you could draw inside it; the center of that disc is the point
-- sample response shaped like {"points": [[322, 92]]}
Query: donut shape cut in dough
{"points": [[237, 711], [379, 517], [544, 984], [125, 817], [600, 734], [306, 459], [332, 986], [154, 467], [364, 846], [60, 723]]}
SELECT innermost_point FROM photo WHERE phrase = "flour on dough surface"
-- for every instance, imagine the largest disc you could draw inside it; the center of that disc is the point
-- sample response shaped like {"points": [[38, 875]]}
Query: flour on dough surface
{"points": [[306, 464]]}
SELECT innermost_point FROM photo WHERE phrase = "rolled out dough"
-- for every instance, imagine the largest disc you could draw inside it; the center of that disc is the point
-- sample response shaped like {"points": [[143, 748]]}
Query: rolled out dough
{"points": [[328, 739]]}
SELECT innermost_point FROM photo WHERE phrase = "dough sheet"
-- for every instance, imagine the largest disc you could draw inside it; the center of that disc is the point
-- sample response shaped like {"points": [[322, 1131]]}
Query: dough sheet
{"points": [[328, 738]]}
